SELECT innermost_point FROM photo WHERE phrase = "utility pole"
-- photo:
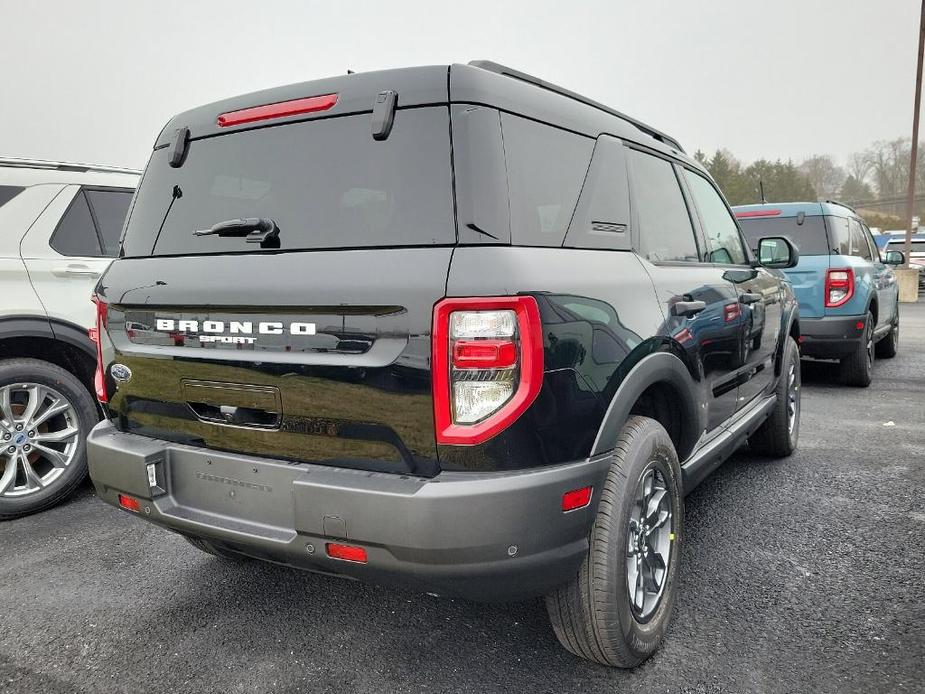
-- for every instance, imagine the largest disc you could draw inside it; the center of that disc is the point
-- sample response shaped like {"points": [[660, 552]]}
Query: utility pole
{"points": [[910, 199]]}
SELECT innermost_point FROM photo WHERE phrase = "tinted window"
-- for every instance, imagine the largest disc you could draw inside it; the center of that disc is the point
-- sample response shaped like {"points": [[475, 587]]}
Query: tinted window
{"points": [[602, 217], [839, 235], [546, 168], [665, 230], [724, 244], [326, 183], [808, 237], [859, 245], [109, 208], [7, 193], [76, 234]]}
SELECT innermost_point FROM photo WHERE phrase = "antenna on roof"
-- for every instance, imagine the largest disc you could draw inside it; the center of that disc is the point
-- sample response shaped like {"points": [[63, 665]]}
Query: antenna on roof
{"points": [[350, 72], [764, 200]]}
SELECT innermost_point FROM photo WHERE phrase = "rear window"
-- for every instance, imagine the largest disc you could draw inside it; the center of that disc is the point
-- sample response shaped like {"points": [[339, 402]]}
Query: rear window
{"points": [[918, 246], [326, 183], [809, 237]]}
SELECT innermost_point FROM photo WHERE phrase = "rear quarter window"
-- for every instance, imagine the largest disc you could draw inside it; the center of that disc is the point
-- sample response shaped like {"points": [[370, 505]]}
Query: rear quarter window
{"points": [[808, 237], [546, 168], [7, 193]]}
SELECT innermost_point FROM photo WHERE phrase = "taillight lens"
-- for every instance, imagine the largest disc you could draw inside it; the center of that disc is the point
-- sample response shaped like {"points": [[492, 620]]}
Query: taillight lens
{"points": [[839, 286], [487, 365], [102, 314]]}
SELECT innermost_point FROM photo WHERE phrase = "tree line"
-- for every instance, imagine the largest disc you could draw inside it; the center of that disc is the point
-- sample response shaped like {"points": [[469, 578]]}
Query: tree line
{"points": [[874, 180]]}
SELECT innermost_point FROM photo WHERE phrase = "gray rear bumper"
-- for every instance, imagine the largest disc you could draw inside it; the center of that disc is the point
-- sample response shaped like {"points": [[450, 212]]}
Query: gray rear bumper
{"points": [[452, 534]]}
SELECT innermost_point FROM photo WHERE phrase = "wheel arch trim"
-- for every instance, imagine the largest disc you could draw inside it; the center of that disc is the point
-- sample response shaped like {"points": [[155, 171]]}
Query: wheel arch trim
{"points": [[660, 367]]}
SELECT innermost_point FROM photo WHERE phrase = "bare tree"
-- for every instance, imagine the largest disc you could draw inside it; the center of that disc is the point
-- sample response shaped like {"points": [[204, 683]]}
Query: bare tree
{"points": [[824, 174]]}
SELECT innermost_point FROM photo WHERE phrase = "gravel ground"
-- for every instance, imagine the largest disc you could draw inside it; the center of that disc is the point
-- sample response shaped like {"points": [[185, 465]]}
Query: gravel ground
{"points": [[804, 575]]}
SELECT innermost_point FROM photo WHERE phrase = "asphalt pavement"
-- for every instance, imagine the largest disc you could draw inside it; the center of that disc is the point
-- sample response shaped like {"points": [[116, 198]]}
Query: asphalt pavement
{"points": [[801, 575]]}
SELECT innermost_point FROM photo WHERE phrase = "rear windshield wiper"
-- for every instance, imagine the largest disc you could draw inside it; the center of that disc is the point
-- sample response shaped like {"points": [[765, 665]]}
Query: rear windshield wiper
{"points": [[255, 229]]}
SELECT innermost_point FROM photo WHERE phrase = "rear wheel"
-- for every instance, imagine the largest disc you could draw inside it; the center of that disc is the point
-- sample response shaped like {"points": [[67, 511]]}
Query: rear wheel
{"points": [[617, 609], [889, 345], [858, 367], [778, 435], [45, 415]]}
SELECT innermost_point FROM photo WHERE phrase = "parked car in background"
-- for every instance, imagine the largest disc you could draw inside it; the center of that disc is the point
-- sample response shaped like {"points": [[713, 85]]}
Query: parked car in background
{"points": [[590, 334], [897, 242], [60, 225], [849, 298]]}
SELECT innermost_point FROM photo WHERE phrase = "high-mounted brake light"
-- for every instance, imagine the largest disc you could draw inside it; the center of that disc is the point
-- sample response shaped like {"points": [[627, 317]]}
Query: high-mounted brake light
{"points": [[102, 315], [742, 214], [839, 286], [280, 109], [487, 363]]}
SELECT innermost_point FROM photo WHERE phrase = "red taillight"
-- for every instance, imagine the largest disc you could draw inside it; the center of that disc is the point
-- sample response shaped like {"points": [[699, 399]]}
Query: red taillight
{"points": [[346, 552], [743, 214], [577, 498], [278, 110], [487, 363], [839, 286], [129, 503], [102, 314], [732, 312]]}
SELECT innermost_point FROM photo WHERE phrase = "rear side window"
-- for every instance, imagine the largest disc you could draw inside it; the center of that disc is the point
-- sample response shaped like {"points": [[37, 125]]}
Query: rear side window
{"points": [[665, 230], [546, 168], [809, 237], [839, 235], [326, 183], [723, 239], [7, 193], [859, 245], [76, 233], [109, 210]]}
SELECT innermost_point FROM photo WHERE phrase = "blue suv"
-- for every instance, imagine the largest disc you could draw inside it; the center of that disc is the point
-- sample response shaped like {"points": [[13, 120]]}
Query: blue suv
{"points": [[848, 294]]}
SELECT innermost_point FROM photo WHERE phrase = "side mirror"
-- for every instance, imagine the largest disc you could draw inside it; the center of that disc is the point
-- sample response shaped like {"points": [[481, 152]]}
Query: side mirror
{"points": [[777, 253], [894, 258]]}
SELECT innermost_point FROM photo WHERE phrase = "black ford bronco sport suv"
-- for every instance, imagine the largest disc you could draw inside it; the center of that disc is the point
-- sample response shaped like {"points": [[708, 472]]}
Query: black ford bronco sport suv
{"points": [[447, 327]]}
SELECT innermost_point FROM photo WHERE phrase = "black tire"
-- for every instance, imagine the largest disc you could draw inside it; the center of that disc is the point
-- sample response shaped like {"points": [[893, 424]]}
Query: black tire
{"points": [[889, 345], [212, 548], [857, 368], [592, 615], [775, 437], [14, 371]]}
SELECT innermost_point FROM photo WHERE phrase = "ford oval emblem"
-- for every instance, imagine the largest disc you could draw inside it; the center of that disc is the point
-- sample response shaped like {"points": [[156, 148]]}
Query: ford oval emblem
{"points": [[121, 373]]}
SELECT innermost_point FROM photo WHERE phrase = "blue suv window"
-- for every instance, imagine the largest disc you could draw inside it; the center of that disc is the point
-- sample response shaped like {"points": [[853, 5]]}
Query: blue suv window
{"points": [[839, 235], [809, 237]]}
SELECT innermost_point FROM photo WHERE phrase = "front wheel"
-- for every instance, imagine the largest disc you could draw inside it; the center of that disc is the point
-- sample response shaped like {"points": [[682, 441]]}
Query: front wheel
{"points": [[889, 345], [779, 434], [616, 610]]}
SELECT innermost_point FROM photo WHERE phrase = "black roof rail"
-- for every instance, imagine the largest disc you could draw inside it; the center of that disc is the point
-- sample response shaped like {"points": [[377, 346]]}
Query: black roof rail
{"points": [[523, 76], [836, 202]]}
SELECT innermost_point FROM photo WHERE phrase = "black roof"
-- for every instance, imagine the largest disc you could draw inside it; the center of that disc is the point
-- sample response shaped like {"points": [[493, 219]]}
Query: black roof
{"points": [[480, 82]]}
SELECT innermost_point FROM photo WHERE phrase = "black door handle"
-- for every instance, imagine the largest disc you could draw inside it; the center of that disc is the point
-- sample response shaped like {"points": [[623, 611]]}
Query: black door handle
{"points": [[749, 298], [688, 308]]}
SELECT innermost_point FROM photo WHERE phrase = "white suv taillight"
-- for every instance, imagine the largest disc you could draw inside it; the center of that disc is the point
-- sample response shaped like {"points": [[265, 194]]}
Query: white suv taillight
{"points": [[487, 365], [839, 286], [102, 314]]}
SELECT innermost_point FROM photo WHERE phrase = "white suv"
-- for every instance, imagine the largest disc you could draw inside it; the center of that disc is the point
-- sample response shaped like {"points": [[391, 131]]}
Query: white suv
{"points": [[59, 229]]}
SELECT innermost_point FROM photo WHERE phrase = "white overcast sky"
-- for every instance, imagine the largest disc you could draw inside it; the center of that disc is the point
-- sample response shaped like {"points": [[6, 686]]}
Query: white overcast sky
{"points": [[95, 80]]}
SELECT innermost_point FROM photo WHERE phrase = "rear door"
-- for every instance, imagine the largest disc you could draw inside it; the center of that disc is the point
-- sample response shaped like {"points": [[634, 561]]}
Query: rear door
{"points": [[313, 348], [758, 290], [701, 308], [70, 246], [880, 275]]}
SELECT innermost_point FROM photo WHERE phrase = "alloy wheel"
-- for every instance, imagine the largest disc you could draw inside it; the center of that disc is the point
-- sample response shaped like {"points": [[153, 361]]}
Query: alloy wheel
{"points": [[39, 434], [649, 543], [793, 396]]}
